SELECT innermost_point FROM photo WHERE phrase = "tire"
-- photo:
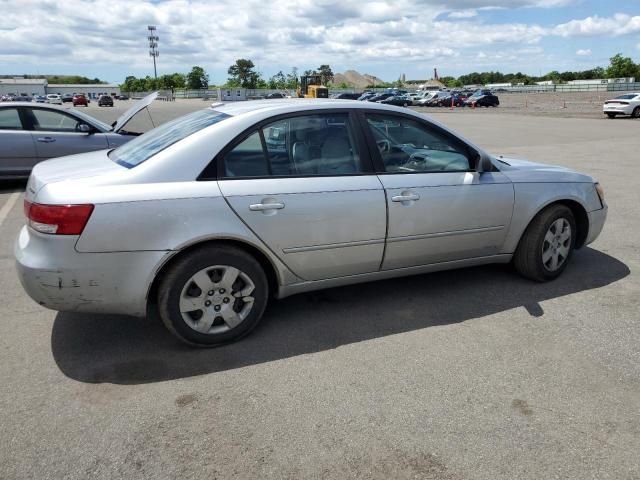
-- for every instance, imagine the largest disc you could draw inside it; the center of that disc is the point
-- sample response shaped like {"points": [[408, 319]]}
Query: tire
{"points": [[534, 257], [611, 115], [635, 113], [241, 303]]}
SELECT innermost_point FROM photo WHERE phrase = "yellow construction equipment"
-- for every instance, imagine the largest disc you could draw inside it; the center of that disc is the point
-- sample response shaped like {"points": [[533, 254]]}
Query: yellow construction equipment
{"points": [[311, 87]]}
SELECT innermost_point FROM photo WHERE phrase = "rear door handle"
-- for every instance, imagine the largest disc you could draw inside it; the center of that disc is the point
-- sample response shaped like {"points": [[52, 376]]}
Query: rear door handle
{"points": [[261, 207], [405, 198], [46, 139]]}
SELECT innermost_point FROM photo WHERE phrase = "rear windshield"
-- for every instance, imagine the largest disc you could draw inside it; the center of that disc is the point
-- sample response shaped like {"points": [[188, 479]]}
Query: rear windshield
{"points": [[627, 96], [145, 146]]}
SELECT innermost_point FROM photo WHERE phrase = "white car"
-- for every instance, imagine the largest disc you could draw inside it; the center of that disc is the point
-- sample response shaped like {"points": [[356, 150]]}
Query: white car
{"points": [[54, 98], [626, 104]]}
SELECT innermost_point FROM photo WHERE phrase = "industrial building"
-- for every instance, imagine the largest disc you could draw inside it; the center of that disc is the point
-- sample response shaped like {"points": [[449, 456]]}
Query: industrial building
{"points": [[39, 86]]}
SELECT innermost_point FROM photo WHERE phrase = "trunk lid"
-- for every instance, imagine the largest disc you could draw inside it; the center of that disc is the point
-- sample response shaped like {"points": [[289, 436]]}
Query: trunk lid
{"points": [[71, 168]]}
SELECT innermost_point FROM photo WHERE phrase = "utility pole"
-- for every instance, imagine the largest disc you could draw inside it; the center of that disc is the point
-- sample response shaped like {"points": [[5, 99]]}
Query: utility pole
{"points": [[153, 47]]}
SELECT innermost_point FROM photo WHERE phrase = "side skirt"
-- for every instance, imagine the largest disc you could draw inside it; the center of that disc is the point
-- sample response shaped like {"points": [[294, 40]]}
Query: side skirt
{"points": [[295, 288]]}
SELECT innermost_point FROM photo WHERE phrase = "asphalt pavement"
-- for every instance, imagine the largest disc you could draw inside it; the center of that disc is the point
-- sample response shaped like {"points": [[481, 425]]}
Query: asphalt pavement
{"points": [[468, 374]]}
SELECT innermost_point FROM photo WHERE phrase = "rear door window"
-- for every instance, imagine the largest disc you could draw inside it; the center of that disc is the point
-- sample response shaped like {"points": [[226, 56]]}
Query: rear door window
{"points": [[10, 119]]}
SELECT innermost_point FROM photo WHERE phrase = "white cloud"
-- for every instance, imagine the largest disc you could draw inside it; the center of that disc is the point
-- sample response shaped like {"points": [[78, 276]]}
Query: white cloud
{"points": [[281, 34], [619, 24], [463, 14], [583, 52]]}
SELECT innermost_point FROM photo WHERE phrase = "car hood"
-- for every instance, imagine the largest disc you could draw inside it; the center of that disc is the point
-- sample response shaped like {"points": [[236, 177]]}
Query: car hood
{"points": [[135, 108], [524, 171]]}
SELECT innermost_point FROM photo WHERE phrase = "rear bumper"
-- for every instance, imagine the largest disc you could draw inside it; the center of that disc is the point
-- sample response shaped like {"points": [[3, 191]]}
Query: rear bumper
{"points": [[619, 110], [596, 223], [56, 276]]}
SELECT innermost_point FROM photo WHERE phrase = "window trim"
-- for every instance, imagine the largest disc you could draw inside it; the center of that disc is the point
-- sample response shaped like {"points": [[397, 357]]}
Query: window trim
{"points": [[214, 171], [473, 156]]}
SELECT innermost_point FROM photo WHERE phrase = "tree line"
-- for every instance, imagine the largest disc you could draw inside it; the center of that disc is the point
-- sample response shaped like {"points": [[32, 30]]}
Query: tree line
{"points": [[243, 74]]}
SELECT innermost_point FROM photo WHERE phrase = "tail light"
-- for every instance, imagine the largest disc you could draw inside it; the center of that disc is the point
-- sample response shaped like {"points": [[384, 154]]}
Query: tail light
{"points": [[57, 219], [617, 101]]}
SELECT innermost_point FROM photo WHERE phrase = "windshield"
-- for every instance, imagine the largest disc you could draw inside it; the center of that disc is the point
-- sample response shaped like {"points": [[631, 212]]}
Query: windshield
{"points": [[147, 145], [627, 96]]}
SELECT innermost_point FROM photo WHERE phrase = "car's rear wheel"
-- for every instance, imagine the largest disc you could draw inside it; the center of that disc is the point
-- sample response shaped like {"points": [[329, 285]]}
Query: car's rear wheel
{"points": [[611, 115], [636, 112], [213, 295], [547, 244]]}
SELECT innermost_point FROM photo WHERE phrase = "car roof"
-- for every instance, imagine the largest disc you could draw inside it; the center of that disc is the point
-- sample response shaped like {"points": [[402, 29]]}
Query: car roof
{"points": [[291, 105]]}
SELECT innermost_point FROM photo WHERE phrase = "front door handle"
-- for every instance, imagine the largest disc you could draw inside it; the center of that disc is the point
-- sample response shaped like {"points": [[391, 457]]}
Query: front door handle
{"points": [[406, 197], [46, 139], [261, 207]]}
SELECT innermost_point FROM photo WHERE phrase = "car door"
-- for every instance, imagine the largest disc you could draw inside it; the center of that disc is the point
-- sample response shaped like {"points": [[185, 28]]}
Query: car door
{"points": [[440, 208], [57, 133], [17, 148], [304, 185]]}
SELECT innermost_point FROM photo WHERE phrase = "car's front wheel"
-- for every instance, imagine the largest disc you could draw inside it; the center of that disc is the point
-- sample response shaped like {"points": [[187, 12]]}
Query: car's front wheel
{"points": [[213, 295], [547, 244]]}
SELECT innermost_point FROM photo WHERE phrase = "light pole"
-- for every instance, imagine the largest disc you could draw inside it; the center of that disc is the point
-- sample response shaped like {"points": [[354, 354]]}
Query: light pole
{"points": [[153, 47]]}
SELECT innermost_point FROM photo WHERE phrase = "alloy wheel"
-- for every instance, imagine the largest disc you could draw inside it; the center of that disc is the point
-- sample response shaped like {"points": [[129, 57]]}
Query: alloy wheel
{"points": [[556, 245], [216, 299]]}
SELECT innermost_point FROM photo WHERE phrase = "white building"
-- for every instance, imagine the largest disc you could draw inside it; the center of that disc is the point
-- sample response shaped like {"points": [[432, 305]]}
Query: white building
{"points": [[39, 86], [92, 90], [23, 86], [232, 94]]}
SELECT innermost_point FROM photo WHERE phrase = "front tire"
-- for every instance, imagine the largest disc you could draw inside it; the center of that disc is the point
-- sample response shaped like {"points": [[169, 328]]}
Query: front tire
{"points": [[547, 244], [213, 295]]}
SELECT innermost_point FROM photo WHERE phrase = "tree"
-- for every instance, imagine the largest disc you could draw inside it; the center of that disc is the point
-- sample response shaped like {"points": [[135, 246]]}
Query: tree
{"points": [[197, 79], [243, 74], [292, 78], [620, 66], [279, 80], [326, 74]]}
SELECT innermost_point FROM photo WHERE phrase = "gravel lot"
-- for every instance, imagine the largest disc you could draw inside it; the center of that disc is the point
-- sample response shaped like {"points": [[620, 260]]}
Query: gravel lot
{"points": [[469, 374]]}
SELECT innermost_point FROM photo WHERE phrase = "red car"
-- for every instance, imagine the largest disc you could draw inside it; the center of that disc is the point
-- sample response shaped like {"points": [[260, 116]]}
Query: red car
{"points": [[80, 100]]}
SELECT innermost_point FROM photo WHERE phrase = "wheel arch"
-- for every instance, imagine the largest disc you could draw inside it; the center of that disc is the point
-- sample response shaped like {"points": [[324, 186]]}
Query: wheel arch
{"points": [[579, 213], [270, 270]]}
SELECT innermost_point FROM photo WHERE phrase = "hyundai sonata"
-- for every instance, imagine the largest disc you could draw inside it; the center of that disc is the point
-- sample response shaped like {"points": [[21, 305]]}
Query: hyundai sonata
{"points": [[209, 215]]}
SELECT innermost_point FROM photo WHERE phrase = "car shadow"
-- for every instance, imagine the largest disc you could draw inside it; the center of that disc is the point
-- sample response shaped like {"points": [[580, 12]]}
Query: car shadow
{"points": [[126, 350]]}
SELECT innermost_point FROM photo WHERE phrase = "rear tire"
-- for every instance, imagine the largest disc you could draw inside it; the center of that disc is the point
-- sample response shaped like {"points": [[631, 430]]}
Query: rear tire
{"points": [[213, 296], [547, 244], [635, 113]]}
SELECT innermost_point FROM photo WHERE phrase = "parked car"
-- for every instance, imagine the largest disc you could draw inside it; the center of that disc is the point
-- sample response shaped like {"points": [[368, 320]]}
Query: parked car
{"points": [[378, 97], [482, 98], [217, 222], [626, 104], [347, 96], [105, 101], [67, 97], [21, 98], [366, 95], [30, 133], [123, 97], [54, 98], [270, 96], [80, 100], [39, 99], [398, 100]]}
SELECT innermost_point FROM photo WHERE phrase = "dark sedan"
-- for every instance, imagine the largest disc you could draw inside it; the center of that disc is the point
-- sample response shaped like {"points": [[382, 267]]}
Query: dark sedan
{"points": [[105, 101], [482, 98], [398, 100]]}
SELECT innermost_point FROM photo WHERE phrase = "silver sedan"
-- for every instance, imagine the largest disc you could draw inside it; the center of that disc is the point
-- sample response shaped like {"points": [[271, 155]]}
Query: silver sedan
{"points": [[211, 214], [31, 133]]}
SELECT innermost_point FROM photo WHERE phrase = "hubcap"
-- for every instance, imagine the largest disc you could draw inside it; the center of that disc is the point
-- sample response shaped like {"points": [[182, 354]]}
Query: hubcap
{"points": [[216, 299], [556, 245]]}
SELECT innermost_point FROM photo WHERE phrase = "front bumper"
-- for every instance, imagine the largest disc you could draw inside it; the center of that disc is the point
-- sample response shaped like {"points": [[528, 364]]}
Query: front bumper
{"points": [[596, 223], [58, 277]]}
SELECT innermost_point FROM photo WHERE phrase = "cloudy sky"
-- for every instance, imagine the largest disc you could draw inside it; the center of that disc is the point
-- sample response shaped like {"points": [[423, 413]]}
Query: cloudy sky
{"points": [[107, 39]]}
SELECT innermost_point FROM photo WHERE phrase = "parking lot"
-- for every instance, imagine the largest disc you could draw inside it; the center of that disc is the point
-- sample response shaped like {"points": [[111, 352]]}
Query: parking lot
{"points": [[468, 374]]}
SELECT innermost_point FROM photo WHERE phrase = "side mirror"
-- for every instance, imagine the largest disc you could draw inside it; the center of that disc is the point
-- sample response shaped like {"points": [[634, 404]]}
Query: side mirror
{"points": [[84, 128], [483, 163]]}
